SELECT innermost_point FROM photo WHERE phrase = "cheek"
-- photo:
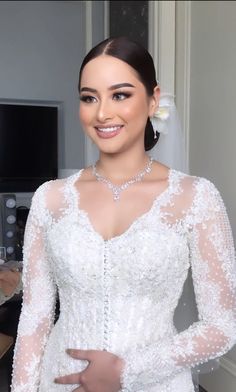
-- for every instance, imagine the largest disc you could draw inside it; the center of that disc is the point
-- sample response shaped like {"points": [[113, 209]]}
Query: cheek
{"points": [[131, 110], [136, 112]]}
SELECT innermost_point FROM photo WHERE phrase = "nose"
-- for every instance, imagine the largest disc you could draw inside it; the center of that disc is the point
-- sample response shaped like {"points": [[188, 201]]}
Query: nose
{"points": [[104, 111]]}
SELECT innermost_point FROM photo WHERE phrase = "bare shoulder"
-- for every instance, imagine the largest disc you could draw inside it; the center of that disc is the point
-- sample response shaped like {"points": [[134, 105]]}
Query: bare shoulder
{"points": [[159, 173], [86, 174], [86, 179]]}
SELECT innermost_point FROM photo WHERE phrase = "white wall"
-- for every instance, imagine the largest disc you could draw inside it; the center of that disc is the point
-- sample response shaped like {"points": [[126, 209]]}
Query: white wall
{"points": [[212, 137], [42, 44], [213, 96]]}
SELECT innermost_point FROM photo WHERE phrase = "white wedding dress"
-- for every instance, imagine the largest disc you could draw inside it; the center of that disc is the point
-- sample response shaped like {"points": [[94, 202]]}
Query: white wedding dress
{"points": [[120, 294]]}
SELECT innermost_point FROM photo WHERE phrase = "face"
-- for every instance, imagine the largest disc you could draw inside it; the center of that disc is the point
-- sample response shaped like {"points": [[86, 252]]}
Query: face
{"points": [[114, 105]]}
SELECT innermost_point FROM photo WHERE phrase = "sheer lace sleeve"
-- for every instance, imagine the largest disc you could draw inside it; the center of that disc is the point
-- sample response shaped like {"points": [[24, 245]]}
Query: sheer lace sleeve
{"points": [[38, 299], [212, 260]]}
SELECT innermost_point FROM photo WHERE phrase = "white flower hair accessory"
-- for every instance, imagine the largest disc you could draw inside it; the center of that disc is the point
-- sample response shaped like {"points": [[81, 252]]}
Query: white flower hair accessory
{"points": [[160, 117], [171, 147]]}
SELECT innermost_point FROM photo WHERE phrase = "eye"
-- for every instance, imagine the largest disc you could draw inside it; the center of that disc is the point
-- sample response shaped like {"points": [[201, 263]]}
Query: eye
{"points": [[121, 96], [87, 98]]}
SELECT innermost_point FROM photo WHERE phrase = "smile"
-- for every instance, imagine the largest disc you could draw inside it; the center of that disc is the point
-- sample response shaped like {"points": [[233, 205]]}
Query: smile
{"points": [[109, 129], [108, 132]]}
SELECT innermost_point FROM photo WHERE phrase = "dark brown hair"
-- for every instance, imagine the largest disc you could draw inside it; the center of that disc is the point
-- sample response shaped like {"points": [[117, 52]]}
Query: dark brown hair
{"points": [[139, 59]]}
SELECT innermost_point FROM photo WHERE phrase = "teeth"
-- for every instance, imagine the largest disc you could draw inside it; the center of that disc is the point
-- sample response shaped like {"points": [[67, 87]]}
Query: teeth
{"points": [[111, 129]]}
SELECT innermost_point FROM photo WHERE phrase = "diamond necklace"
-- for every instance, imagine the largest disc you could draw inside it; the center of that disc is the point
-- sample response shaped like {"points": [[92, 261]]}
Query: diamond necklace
{"points": [[117, 189]]}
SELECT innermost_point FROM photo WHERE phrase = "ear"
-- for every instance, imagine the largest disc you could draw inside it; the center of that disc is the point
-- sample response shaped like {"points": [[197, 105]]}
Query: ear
{"points": [[154, 101]]}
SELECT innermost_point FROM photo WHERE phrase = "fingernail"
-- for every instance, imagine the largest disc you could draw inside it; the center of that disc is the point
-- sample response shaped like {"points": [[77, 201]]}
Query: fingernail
{"points": [[70, 351]]}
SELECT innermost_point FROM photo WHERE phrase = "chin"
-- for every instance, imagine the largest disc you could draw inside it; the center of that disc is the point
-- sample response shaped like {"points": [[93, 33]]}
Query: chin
{"points": [[109, 150], [108, 146]]}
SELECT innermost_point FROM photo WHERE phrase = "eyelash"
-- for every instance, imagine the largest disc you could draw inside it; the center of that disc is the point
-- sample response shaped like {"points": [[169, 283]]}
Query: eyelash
{"points": [[87, 98], [125, 96], [116, 97]]}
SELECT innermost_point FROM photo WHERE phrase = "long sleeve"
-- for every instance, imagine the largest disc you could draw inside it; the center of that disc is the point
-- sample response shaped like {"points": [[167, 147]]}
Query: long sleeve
{"points": [[212, 258], [39, 292]]}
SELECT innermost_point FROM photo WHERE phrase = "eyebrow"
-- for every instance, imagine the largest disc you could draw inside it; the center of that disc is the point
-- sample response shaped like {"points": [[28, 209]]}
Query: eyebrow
{"points": [[114, 87]]}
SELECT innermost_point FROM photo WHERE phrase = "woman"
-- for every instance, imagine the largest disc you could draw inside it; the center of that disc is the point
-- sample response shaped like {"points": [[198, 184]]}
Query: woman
{"points": [[117, 240]]}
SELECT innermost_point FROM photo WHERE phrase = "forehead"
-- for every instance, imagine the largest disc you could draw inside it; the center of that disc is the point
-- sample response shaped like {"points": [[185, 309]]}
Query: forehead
{"points": [[107, 70]]}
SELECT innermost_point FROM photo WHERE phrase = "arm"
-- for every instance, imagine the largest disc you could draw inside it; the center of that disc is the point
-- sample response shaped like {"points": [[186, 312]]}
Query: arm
{"points": [[214, 276], [37, 312]]}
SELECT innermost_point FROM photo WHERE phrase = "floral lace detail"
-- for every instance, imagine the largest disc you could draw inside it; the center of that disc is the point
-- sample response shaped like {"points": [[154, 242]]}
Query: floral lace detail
{"points": [[121, 294]]}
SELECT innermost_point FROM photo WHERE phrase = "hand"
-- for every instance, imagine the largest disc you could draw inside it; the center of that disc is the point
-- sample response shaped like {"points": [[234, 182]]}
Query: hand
{"points": [[101, 375], [9, 281]]}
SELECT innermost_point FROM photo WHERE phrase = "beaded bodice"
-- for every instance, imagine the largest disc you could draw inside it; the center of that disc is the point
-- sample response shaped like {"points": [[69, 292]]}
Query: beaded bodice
{"points": [[120, 294]]}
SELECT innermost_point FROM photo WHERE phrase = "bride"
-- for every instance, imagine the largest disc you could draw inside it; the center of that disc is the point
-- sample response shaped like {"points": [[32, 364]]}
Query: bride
{"points": [[116, 241]]}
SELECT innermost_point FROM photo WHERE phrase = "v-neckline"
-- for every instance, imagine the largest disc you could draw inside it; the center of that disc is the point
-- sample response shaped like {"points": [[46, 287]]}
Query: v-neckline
{"points": [[81, 212]]}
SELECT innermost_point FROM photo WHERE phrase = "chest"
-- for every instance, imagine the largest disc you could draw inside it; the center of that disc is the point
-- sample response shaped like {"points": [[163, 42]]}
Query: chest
{"points": [[111, 218], [147, 256]]}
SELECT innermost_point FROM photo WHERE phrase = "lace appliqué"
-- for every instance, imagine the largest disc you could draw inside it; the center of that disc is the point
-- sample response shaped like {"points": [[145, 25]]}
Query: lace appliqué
{"points": [[120, 295]]}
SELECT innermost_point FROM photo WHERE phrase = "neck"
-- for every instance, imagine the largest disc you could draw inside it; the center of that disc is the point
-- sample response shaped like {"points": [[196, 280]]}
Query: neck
{"points": [[121, 167]]}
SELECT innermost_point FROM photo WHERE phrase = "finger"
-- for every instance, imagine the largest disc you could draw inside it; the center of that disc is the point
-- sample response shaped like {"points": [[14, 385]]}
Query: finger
{"points": [[80, 354], [68, 379]]}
